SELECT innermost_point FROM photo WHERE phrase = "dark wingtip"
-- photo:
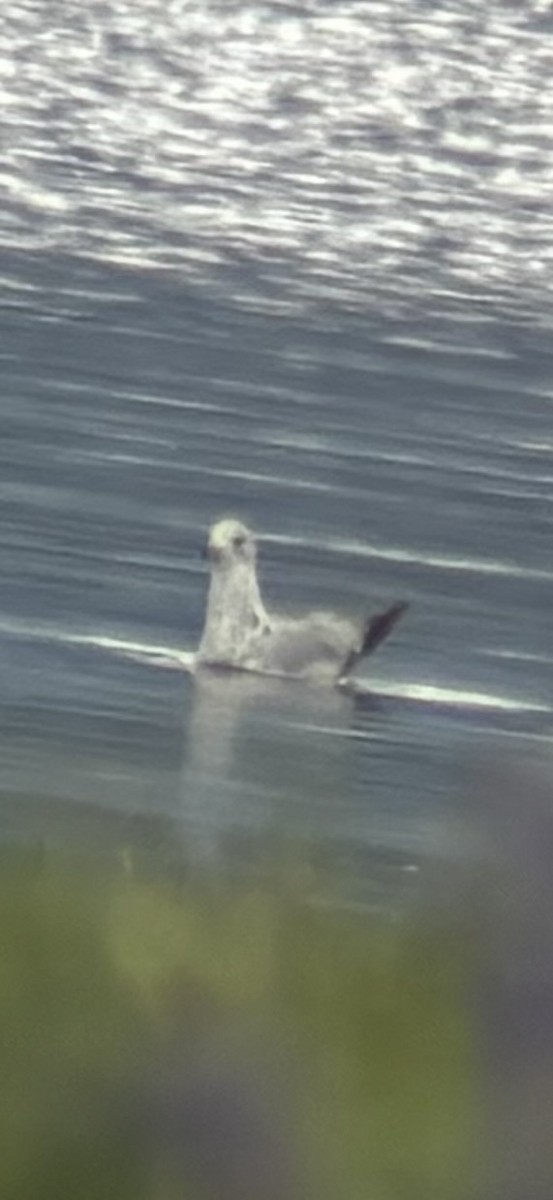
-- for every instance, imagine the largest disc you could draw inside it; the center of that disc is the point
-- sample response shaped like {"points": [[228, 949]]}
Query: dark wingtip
{"points": [[379, 627]]}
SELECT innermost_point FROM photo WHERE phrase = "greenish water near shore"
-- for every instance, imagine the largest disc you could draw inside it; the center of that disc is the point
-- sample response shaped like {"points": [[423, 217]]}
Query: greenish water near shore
{"points": [[158, 1033]]}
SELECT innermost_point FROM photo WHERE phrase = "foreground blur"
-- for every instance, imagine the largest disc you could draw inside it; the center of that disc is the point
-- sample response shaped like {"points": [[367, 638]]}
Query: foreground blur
{"points": [[223, 1038]]}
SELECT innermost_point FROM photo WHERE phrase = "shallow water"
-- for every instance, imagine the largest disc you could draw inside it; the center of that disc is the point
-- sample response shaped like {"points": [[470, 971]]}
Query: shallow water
{"points": [[294, 263]]}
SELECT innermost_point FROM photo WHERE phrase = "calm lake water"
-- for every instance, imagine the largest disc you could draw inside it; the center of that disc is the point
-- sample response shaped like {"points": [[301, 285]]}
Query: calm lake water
{"points": [[291, 262]]}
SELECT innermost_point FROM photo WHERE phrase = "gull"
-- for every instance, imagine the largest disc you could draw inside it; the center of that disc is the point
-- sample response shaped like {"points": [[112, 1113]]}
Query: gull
{"points": [[241, 634]]}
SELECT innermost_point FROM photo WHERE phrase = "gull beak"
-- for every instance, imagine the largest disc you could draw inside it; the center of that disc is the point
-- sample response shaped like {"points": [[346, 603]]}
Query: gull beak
{"points": [[210, 552]]}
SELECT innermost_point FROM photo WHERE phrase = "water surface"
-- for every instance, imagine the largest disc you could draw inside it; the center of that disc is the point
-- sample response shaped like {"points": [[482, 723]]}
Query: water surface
{"points": [[291, 262]]}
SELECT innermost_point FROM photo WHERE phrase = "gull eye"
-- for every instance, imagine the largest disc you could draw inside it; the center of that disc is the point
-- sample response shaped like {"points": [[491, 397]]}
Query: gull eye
{"points": [[239, 540]]}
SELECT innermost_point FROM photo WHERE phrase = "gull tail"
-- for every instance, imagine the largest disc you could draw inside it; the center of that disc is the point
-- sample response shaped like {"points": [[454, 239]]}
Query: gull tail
{"points": [[376, 630]]}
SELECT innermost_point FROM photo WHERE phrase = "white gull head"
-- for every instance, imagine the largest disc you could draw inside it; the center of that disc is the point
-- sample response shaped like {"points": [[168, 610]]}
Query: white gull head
{"points": [[240, 633]]}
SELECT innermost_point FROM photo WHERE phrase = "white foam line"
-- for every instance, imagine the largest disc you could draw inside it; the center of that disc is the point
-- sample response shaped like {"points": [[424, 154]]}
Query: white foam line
{"points": [[484, 566], [413, 343], [518, 655], [428, 693], [141, 651], [164, 656], [333, 730]]}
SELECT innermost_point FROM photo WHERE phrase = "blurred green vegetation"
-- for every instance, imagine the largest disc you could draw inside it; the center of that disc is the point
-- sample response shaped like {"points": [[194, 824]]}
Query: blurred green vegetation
{"points": [[364, 1021]]}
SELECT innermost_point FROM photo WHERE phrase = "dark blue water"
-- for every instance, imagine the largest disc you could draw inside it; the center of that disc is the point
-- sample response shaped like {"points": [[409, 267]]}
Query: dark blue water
{"points": [[291, 263]]}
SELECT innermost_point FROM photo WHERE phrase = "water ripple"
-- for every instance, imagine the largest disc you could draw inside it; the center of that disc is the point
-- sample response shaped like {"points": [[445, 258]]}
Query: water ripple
{"points": [[359, 146]]}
